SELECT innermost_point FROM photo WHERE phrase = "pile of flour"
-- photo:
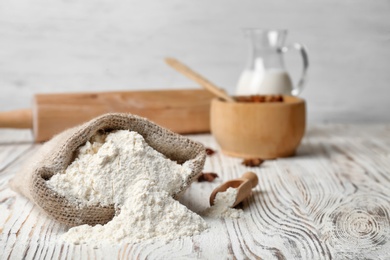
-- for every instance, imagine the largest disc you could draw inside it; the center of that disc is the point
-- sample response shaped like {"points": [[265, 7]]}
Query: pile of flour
{"points": [[123, 170], [222, 207]]}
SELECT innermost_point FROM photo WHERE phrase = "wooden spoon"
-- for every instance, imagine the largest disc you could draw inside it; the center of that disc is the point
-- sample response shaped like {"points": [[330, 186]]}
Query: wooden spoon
{"points": [[189, 73], [244, 186]]}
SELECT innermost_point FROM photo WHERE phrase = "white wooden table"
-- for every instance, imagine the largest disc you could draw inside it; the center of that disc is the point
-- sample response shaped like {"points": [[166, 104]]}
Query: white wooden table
{"points": [[331, 201]]}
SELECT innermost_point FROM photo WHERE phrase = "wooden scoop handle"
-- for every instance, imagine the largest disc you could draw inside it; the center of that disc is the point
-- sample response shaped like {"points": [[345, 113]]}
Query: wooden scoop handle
{"points": [[252, 177], [186, 71], [16, 119], [249, 181]]}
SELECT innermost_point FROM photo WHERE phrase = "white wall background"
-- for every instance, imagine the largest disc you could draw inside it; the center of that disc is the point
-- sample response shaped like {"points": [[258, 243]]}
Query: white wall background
{"points": [[98, 45]]}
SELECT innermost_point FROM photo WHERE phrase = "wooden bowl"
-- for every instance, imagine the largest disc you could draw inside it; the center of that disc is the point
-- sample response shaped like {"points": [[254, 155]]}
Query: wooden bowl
{"points": [[258, 130]]}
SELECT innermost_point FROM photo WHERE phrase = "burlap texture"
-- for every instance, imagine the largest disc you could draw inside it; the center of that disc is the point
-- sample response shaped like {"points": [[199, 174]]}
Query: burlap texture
{"points": [[55, 156]]}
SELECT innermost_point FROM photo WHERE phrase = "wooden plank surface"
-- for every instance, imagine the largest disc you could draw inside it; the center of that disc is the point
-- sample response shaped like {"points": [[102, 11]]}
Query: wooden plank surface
{"points": [[331, 201]]}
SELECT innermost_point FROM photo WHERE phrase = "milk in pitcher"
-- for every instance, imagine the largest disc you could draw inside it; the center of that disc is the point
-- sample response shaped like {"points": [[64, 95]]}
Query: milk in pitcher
{"points": [[263, 81], [265, 72]]}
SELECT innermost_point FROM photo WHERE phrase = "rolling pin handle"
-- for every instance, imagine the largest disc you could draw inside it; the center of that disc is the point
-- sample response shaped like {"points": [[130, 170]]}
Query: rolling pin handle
{"points": [[16, 119]]}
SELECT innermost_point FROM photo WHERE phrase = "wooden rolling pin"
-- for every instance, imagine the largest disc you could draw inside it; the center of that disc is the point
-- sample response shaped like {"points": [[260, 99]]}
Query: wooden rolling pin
{"points": [[182, 111]]}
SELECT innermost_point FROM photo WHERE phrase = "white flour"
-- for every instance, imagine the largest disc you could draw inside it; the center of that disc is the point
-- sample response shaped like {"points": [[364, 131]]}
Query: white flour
{"points": [[125, 171], [222, 205]]}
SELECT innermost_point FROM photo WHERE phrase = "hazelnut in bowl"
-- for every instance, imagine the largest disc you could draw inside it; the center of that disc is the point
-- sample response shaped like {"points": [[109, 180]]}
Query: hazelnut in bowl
{"points": [[264, 127]]}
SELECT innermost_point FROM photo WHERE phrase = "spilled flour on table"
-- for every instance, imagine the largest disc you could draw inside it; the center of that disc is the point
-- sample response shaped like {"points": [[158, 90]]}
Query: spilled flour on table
{"points": [[222, 207], [125, 171]]}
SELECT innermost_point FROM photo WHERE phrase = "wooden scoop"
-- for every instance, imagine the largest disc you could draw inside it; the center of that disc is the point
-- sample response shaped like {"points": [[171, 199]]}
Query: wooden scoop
{"points": [[244, 186], [189, 73]]}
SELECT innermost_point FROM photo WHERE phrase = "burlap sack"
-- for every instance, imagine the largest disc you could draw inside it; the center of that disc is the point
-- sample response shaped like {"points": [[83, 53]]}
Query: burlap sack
{"points": [[55, 155]]}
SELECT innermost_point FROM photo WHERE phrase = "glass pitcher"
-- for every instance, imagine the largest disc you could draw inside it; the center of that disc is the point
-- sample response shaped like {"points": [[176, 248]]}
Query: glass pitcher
{"points": [[265, 72]]}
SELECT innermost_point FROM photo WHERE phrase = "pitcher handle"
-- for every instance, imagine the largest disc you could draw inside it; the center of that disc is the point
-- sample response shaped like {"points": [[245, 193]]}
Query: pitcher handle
{"points": [[299, 87]]}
